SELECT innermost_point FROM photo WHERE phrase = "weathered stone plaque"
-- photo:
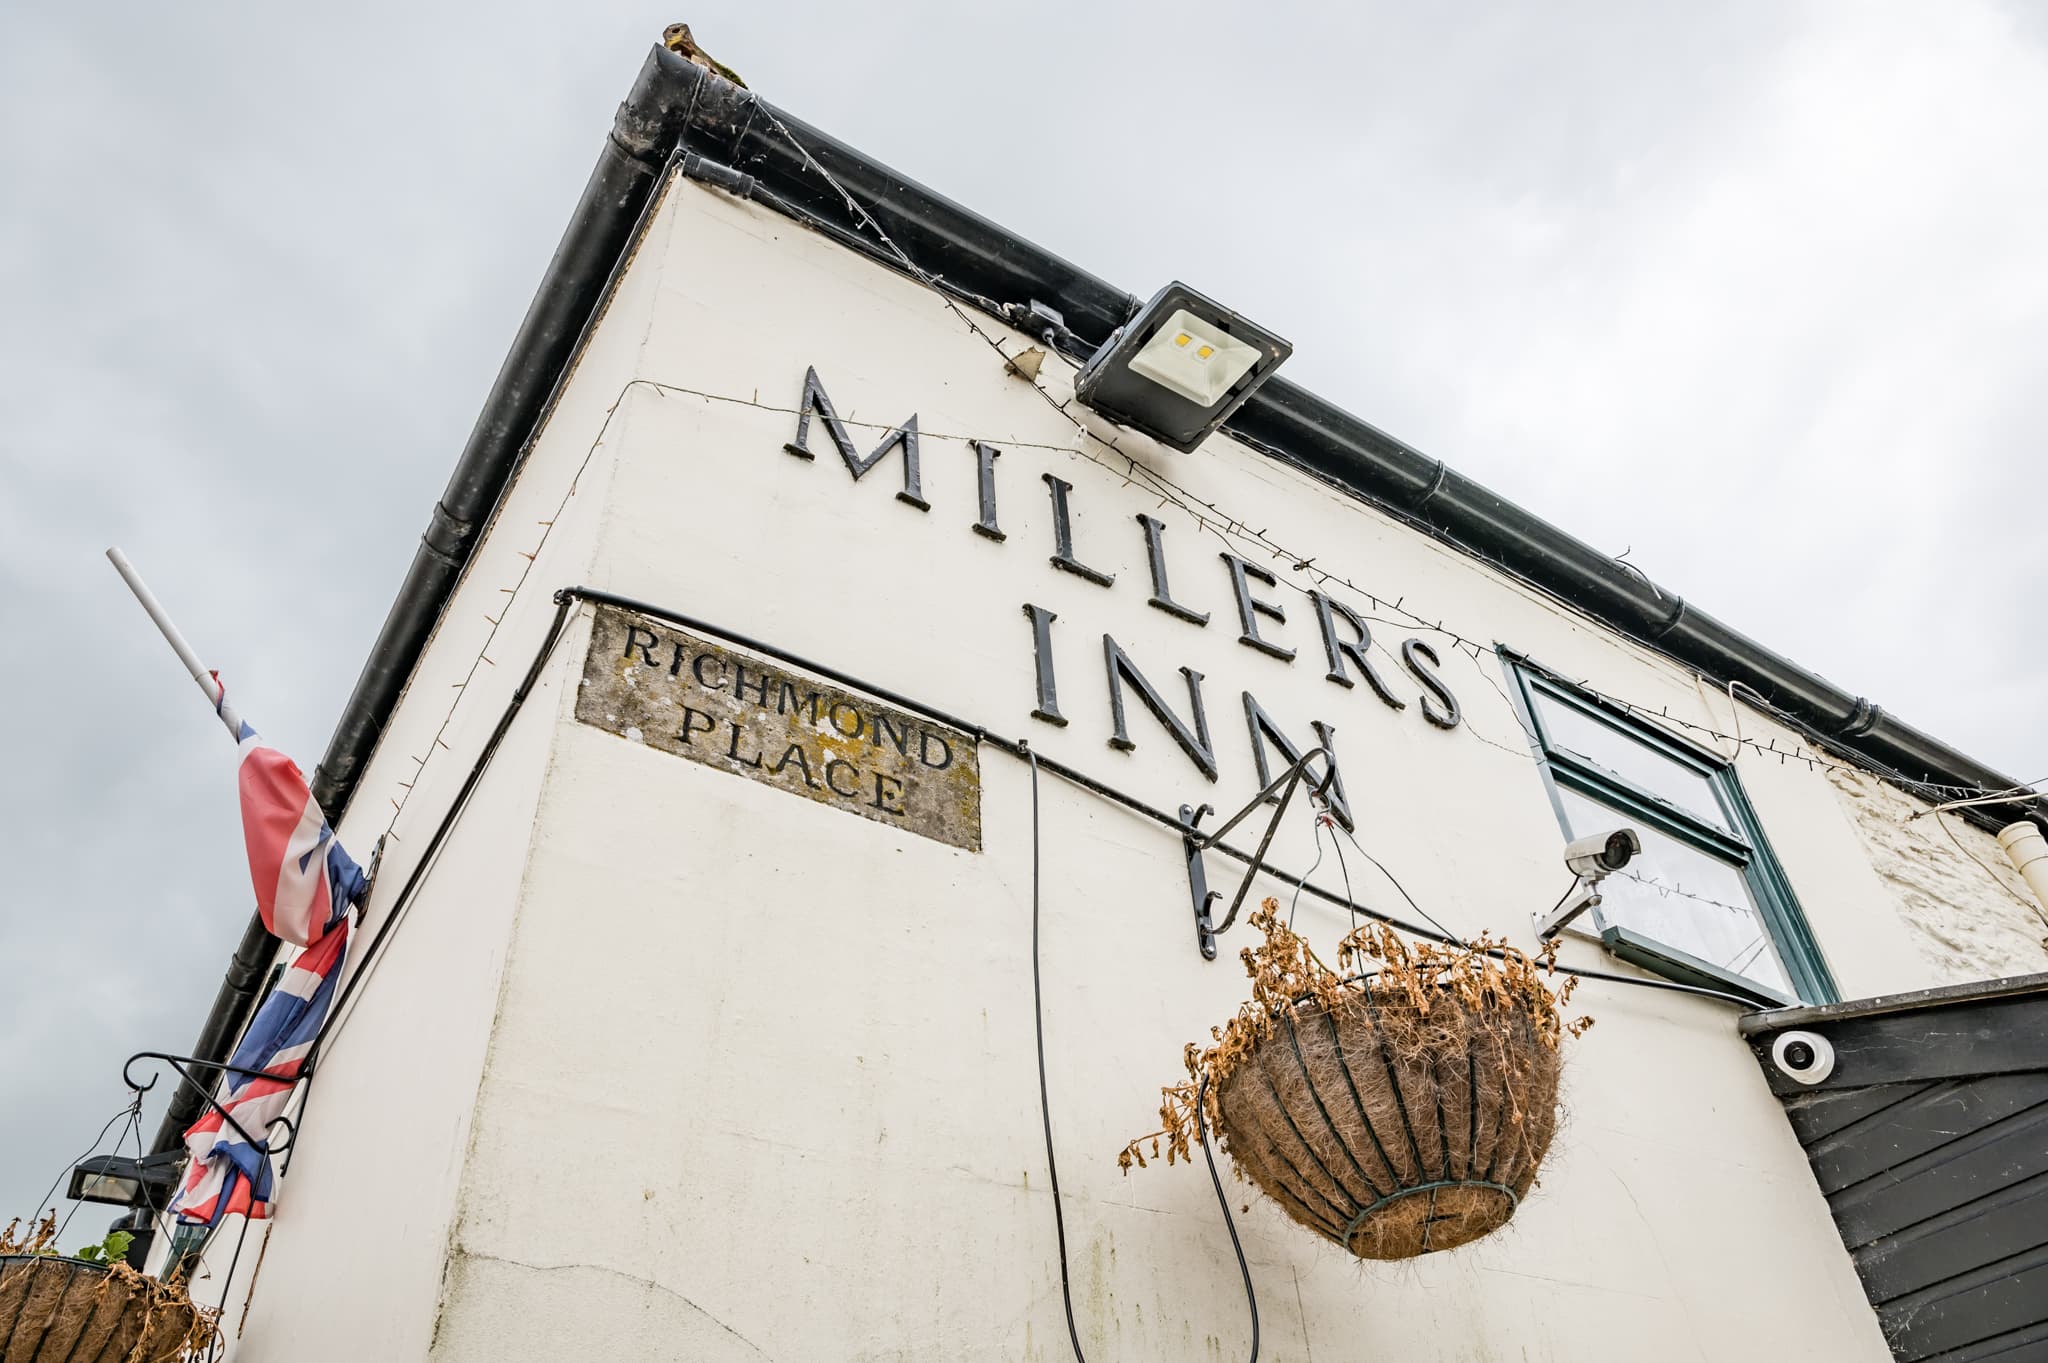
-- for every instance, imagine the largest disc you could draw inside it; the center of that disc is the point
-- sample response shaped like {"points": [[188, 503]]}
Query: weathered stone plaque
{"points": [[652, 683]]}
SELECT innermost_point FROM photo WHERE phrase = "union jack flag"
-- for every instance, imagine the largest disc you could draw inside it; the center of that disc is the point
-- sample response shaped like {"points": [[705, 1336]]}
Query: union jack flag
{"points": [[304, 880], [305, 884], [230, 1169]]}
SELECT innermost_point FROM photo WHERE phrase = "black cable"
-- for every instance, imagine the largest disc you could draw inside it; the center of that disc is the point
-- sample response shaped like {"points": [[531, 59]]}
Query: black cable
{"points": [[1059, 1219], [1052, 1164], [1216, 1181], [1018, 749], [1449, 938], [372, 953], [132, 1109]]}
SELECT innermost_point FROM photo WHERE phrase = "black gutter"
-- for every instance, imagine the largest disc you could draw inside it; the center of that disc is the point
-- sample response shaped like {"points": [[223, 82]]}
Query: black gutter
{"points": [[972, 255], [673, 106], [645, 131]]}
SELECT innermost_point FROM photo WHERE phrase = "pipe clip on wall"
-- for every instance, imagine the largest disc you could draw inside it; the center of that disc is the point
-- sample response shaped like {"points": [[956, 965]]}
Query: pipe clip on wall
{"points": [[706, 171]]}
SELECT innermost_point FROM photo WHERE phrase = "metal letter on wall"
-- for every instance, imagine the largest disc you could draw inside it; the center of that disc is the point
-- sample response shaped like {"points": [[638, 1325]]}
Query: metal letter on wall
{"points": [[654, 684]]}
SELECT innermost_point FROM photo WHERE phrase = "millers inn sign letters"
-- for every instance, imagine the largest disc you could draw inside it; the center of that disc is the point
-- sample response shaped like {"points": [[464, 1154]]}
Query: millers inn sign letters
{"points": [[700, 700]]}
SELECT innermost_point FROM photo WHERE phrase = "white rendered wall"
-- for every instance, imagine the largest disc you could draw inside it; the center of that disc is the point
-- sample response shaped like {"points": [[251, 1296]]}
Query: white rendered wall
{"points": [[759, 1078], [357, 1248]]}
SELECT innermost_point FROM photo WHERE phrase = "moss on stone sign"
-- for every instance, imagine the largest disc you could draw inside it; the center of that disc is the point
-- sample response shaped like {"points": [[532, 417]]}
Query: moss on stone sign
{"points": [[653, 683]]}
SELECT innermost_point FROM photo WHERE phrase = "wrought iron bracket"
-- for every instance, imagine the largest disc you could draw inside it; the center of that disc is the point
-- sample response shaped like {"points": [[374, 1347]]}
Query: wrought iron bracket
{"points": [[1194, 842], [205, 1091]]}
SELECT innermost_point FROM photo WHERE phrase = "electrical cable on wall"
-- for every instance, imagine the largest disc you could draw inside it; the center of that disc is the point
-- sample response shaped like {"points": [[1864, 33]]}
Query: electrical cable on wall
{"points": [[396, 913], [1052, 1165]]}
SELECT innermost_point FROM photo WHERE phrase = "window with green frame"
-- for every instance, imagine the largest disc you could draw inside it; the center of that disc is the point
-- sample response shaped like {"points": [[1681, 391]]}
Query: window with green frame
{"points": [[1705, 902]]}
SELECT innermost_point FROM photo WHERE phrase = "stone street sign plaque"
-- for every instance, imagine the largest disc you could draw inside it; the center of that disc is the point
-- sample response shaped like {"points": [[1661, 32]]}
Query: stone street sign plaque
{"points": [[655, 684]]}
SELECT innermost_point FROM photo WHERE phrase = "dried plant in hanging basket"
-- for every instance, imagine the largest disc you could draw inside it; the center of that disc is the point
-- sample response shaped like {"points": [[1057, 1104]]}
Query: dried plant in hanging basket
{"points": [[53, 1308], [1397, 1106]]}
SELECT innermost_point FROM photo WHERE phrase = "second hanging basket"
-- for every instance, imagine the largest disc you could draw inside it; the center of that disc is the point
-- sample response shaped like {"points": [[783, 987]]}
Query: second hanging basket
{"points": [[61, 1310]]}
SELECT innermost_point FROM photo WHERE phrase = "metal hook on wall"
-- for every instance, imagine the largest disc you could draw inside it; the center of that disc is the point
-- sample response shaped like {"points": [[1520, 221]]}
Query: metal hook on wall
{"points": [[178, 1064], [1195, 842]]}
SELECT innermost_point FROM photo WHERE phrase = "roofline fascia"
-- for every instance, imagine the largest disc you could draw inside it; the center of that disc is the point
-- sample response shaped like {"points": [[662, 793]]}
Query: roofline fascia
{"points": [[1882, 1005]]}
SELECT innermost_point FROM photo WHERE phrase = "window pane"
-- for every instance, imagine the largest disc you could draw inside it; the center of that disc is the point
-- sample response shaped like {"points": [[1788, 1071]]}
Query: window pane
{"points": [[1614, 750], [1681, 897]]}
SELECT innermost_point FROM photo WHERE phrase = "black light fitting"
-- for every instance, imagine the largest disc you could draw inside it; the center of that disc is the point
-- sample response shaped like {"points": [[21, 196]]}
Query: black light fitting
{"points": [[125, 1182], [1179, 368]]}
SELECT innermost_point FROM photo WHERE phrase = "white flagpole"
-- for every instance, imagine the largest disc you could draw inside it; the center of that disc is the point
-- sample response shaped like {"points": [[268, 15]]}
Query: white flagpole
{"points": [[176, 640]]}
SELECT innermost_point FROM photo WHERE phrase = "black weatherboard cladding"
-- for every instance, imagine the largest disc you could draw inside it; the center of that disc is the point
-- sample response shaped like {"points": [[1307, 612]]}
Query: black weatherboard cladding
{"points": [[675, 106], [1930, 1142]]}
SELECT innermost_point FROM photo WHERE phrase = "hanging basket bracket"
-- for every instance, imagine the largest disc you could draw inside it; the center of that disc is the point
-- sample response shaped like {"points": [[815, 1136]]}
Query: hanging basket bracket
{"points": [[1195, 842]]}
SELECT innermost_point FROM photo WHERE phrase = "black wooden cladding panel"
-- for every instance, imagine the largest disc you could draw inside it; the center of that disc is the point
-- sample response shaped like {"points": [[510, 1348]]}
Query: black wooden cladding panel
{"points": [[1960, 1240], [1956, 1312], [1818, 1112], [1965, 1039], [1930, 1141], [2018, 1346], [1976, 1164], [1921, 1124]]}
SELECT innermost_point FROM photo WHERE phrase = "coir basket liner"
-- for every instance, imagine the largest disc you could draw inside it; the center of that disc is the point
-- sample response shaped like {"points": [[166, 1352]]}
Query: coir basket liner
{"points": [[1390, 1130], [53, 1308]]}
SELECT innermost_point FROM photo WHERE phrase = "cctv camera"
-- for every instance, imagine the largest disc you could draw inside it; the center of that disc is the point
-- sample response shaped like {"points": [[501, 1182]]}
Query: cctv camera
{"points": [[1803, 1057], [1595, 856], [1590, 859]]}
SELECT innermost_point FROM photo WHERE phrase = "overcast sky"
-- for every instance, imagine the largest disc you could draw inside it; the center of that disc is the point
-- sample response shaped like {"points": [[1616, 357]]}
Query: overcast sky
{"points": [[1756, 292]]}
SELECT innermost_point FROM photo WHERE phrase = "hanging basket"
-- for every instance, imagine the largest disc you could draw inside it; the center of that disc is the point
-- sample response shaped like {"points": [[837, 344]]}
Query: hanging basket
{"points": [[1393, 1131], [1398, 1104], [54, 1309]]}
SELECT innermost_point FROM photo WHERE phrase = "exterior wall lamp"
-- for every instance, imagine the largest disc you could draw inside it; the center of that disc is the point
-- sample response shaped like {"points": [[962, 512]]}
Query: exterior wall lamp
{"points": [[1179, 368], [125, 1182]]}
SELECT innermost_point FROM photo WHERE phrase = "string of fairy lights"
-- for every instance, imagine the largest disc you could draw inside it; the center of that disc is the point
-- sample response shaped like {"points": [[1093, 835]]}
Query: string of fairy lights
{"points": [[1237, 534], [1211, 518]]}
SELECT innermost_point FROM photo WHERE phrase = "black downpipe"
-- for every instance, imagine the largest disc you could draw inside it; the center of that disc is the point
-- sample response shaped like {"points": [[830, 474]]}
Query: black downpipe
{"points": [[644, 132], [647, 127], [222, 1028]]}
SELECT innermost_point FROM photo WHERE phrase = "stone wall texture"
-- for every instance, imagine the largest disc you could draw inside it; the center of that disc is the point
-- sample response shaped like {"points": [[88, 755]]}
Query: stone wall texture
{"points": [[1967, 911]]}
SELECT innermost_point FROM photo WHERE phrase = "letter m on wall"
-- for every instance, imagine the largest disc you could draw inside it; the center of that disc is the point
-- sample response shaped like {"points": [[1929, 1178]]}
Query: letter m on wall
{"points": [[815, 403]]}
